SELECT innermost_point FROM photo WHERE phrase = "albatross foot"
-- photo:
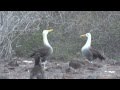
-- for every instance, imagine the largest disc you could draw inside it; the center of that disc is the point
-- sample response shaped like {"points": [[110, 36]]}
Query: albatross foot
{"points": [[45, 68], [44, 65], [91, 62]]}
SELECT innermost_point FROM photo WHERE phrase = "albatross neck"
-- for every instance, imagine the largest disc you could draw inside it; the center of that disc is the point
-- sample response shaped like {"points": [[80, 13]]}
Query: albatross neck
{"points": [[88, 43], [45, 41]]}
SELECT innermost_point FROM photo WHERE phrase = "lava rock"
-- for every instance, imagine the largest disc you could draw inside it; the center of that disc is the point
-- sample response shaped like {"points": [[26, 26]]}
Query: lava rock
{"points": [[75, 64]]}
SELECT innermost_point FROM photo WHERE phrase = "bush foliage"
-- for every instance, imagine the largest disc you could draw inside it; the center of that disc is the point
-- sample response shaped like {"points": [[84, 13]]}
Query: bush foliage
{"points": [[21, 32]]}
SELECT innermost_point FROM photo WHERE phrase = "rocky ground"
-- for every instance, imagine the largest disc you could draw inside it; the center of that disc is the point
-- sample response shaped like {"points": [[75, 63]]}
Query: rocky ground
{"points": [[108, 69]]}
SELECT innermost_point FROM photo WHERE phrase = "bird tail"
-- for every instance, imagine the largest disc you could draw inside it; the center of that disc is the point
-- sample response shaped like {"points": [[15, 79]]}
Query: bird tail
{"points": [[101, 57], [32, 54]]}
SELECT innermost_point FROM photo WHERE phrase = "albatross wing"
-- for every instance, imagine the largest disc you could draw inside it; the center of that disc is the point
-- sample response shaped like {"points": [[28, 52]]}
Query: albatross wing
{"points": [[96, 54]]}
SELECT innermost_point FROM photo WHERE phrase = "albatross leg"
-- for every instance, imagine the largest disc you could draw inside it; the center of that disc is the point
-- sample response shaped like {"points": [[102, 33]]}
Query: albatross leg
{"points": [[44, 65], [89, 61]]}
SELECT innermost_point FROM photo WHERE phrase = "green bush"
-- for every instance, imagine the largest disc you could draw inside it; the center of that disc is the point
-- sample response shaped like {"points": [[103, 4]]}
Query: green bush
{"points": [[26, 43], [68, 26]]}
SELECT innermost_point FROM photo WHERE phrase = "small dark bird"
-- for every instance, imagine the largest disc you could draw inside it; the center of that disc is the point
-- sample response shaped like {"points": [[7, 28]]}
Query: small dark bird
{"points": [[37, 72], [89, 52]]}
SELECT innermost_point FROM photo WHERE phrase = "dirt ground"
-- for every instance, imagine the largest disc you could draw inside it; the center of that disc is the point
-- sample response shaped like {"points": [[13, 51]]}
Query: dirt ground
{"points": [[108, 69]]}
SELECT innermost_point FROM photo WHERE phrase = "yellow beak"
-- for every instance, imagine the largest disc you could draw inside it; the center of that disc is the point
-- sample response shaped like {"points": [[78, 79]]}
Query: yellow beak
{"points": [[50, 30], [84, 35]]}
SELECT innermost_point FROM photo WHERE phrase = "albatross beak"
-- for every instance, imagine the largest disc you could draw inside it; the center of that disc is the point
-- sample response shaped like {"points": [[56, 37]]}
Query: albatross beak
{"points": [[84, 35], [50, 30]]}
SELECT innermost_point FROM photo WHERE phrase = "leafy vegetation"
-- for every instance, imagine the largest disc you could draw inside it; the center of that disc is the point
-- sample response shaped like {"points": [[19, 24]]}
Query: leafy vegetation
{"points": [[21, 32]]}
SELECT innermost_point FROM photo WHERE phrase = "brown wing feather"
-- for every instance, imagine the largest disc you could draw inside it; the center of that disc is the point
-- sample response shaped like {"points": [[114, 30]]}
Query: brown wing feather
{"points": [[96, 54], [42, 52]]}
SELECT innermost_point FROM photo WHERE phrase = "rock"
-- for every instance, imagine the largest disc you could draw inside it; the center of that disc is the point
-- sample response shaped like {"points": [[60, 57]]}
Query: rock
{"points": [[13, 63], [4, 77], [66, 76], [75, 64]]}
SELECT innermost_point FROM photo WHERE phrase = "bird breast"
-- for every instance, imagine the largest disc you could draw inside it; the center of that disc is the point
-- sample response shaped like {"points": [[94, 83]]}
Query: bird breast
{"points": [[85, 51], [84, 48]]}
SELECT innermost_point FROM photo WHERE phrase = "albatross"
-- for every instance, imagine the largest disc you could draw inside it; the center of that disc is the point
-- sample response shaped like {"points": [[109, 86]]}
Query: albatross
{"points": [[88, 51], [45, 51]]}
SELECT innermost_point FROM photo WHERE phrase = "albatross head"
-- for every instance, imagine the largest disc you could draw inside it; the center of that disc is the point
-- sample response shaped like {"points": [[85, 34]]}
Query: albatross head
{"points": [[88, 42], [86, 35], [47, 31]]}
